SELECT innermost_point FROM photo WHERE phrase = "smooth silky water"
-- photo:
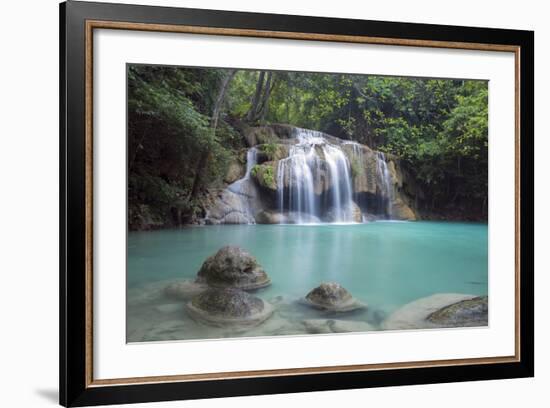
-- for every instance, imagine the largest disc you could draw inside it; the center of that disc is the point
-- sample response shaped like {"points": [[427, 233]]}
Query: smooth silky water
{"points": [[385, 264]]}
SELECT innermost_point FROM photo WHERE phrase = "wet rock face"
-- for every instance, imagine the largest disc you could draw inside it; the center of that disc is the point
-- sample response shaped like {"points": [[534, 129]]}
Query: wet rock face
{"points": [[235, 171], [401, 211], [353, 210], [233, 267], [228, 208], [226, 307], [471, 312], [332, 296]]}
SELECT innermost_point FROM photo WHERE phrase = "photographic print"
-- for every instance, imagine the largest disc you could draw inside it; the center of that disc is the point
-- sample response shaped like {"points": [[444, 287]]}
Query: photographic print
{"points": [[233, 183], [268, 203]]}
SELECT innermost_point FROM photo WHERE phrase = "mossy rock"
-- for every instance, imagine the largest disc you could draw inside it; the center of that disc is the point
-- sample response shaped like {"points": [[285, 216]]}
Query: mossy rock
{"points": [[265, 175], [228, 307], [332, 297], [272, 152], [233, 267], [259, 135]]}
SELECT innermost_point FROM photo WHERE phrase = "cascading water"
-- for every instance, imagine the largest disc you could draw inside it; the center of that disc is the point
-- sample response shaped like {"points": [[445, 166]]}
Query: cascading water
{"points": [[299, 169], [385, 178], [313, 184], [297, 175], [341, 180], [240, 186], [244, 188], [359, 160]]}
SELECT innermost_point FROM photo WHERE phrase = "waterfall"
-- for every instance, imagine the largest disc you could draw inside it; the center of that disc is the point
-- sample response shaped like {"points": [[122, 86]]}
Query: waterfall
{"points": [[385, 178], [244, 189], [251, 161], [341, 179], [298, 169], [241, 186], [310, 159], [313, 184]]}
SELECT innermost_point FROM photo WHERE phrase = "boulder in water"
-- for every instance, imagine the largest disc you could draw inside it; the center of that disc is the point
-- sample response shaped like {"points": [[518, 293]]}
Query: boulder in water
{"points": [[332, 297], [228, 307], [415, 315], [270, 217], [233, 267], [466, 313]]}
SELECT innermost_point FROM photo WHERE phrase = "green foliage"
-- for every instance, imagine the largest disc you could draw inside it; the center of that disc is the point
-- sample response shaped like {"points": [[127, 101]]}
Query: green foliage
{"points": [[438, 128], [268, 176], [168, 131], [270, 149], [265, 175]]}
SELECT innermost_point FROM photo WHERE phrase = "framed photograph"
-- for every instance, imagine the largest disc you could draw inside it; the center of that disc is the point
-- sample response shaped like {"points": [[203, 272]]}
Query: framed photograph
{"points": [[256, 204]]}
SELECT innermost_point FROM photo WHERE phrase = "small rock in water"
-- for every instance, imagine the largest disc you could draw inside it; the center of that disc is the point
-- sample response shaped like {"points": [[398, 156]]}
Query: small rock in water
{"points": [[233, 267], [467, 313], [228, 307], [276, 300], [331, 296], [324, 326]]}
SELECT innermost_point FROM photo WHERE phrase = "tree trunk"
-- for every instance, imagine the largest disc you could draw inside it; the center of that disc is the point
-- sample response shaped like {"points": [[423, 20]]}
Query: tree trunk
{"points": [[205, 156], [221, 96], [264, 106], [250, 116]]}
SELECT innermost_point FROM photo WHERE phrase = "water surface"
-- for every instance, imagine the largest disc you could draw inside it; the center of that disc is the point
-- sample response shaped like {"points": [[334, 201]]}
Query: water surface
{"points": [[384, 264]]}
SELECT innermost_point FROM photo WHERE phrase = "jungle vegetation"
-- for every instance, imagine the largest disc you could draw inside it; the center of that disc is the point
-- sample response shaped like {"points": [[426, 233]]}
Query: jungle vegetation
{"points": [[186, 124]]}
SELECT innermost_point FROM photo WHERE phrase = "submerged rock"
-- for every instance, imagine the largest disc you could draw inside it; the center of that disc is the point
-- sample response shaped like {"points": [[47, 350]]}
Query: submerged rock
{"points": [[185, 289], [415, 315], [467, 313], [325, 326], [228, 307], [233, 267], [331, 296]]}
